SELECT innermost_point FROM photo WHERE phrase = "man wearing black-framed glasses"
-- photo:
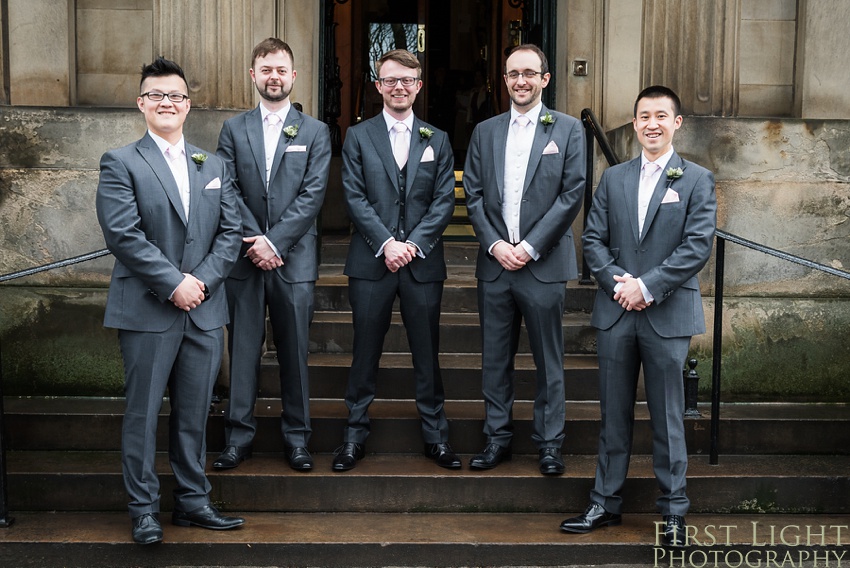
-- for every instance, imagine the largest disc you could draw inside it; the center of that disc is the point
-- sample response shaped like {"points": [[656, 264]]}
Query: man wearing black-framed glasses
{"points": [[524, 177], [398, 177]]}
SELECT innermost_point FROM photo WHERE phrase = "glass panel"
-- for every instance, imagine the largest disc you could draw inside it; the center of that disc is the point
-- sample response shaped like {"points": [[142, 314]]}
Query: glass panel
{"points": [[386, 37]]}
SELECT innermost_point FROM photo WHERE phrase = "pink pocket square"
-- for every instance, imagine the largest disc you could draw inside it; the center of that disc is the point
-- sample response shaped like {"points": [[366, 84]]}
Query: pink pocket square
{"points": [[670, 197], [214, 184], [551, 148]]}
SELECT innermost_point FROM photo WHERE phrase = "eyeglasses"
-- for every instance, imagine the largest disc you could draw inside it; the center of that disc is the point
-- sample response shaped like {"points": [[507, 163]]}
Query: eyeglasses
{"points": [[393, 81], [173, 97], [514, 75]]}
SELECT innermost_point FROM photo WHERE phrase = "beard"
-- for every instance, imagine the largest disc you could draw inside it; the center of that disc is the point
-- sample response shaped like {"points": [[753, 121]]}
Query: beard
{"points": [[282, 95]]}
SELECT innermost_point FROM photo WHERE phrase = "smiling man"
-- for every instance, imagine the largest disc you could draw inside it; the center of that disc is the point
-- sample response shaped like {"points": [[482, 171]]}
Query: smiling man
{"points": [[649, 232], [524, 178], [169, 216], [398, 178], [279, 159]]}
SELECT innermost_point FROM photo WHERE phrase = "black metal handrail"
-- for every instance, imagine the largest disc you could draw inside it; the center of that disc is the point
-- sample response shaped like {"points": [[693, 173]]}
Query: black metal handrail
{"points": [[720, 263], [5, 519], [592, 131]]}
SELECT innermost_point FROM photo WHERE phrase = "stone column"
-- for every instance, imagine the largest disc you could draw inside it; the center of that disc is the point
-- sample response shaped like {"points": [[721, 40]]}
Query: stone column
{"points": [[212, 40], [823, 50], [692, 48], [39, 76]]}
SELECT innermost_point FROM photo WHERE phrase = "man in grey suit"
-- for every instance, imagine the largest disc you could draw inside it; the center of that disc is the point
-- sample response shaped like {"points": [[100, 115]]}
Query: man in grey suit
{"points": [[524, 178], [649, 232], [169, 216], [279, 160], [398, 178]]}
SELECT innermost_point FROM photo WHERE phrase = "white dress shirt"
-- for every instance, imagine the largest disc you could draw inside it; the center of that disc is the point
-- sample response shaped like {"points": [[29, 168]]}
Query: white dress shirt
{"points": [[271, 138], [392, 133]]}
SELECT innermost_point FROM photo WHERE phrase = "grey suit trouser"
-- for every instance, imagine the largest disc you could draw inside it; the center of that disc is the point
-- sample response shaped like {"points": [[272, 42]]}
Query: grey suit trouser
{"points": [[372, 305], [290, 308], [502, 305], [622, 349], [185, 360]]}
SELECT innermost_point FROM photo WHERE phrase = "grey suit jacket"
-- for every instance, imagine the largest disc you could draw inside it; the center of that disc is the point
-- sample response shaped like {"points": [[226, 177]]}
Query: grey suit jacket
{"points": [[296, 190], [380, 209], [141, 215], [551, 199], [675, 245]]}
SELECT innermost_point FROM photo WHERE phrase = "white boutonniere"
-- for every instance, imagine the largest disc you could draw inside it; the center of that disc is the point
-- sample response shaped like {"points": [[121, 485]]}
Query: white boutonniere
{"points": [[673, 174], [199, 159], [547, 120], [291, 131], [425, 133]]}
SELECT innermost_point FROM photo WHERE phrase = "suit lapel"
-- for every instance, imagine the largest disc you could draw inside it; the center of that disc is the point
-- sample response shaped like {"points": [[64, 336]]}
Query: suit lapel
{"points": [[631, 188], [195, 186], [293, 118], [377, 129], [541, 138], [256, 140], [414, 154], [500, 139], [658, 194], [151, 154]]}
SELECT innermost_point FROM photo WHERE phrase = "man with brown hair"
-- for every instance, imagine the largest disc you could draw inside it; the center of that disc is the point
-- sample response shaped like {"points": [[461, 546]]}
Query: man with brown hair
{"points": [[279, 159], [398, 177]]}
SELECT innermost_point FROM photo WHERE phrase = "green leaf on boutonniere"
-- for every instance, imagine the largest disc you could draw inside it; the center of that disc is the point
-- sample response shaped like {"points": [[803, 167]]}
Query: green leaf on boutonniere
{"points": [[291, 131], [425, 133], [674, 173], [547, 119], [199, 159]]}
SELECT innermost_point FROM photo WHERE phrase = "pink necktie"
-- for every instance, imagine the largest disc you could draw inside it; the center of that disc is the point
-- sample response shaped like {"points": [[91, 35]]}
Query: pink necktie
{"points": [[400, 145]]}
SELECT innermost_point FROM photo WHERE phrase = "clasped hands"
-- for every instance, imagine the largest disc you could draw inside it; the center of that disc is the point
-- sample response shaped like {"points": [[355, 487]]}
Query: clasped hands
{"points": [[189, 293], [398, 254], [261, 254], [511, 257], [630, 295]]}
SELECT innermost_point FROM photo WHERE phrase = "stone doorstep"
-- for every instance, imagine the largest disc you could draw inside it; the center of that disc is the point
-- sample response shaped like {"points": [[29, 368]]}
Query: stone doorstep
{"points": [[415, 539]]}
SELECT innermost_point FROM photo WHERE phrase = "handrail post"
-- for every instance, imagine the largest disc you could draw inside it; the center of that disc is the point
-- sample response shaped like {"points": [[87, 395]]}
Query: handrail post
{"points": [[5, 519], [588, 191], [720, 260]]}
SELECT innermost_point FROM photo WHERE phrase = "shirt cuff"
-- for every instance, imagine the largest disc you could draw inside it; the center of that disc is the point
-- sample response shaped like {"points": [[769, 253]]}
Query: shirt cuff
{"points": [[530, 250], [381, 250], [274, 248], [647, 297]]}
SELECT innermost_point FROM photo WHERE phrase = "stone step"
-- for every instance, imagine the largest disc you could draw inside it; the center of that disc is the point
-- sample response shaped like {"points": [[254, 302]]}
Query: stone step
{"points": [[351, 540], [332, 332], [755, 429], [411, 483], [459, 291], [461, 374]]}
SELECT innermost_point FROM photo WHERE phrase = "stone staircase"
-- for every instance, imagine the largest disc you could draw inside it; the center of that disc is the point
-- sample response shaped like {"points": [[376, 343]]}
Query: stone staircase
{"points": [[781, 464]]}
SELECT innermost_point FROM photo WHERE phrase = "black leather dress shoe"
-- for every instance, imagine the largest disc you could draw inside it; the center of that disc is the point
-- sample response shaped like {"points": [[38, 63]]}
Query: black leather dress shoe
{"points": [[299, 458], [146, 529], [231, 457], [551, 462], [346, 456], [674, 531], [206, 517], [594, 516], [490, 457], [443, 455]]}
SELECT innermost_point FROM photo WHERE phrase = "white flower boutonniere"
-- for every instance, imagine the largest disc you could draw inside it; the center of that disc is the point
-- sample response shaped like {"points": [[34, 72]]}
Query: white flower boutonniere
{"points": [[425, 133], [547, 119], [673, 174], [291, 131], [199, 159]]}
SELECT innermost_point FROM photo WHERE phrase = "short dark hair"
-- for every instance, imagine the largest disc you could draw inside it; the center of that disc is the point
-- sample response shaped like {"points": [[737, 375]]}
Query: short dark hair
{"points": [[402, 57], [659, 92], [162, 67], [544, 63], [271, 45]]}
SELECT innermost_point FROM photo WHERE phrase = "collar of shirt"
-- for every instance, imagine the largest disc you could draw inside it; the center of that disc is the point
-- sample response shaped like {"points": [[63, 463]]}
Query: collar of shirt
{"points": [[533, 114], [662, 161], [282, 113], [408, 122], [163, 144]]}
